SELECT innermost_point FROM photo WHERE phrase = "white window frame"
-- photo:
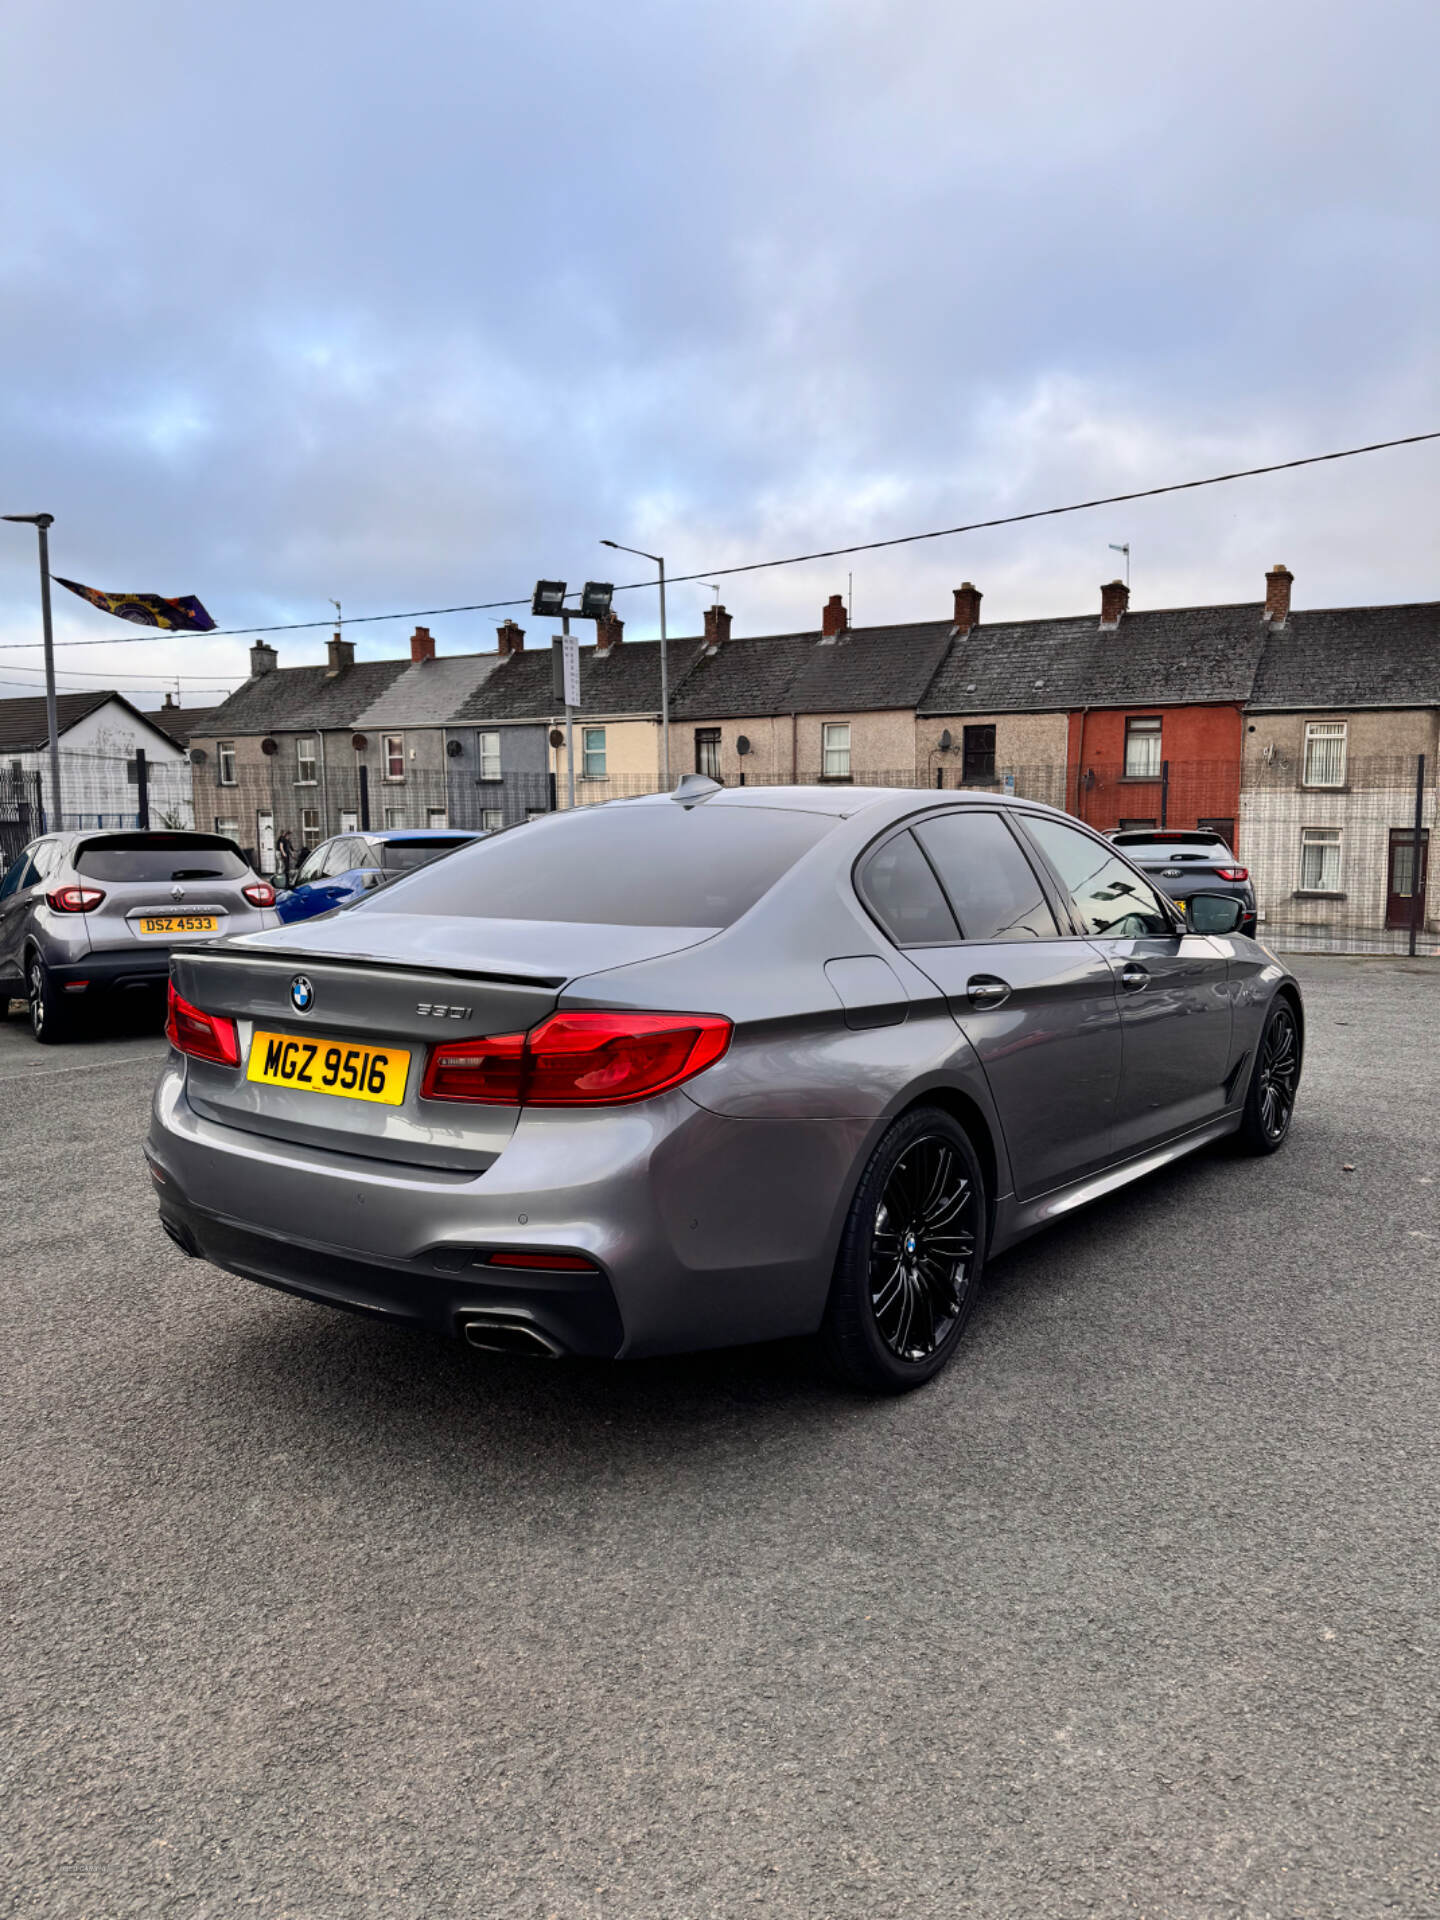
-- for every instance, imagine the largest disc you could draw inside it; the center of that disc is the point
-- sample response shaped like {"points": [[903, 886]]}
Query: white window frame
{"points": [[392, 748], [1145, 731], [492, 819], [310, 834], [395, 821], [593, 758], [230, 829], [436, 817], [225, 762], [1322, 837], [835, 750], [1326, 766], [305, 757], [487, 749]]}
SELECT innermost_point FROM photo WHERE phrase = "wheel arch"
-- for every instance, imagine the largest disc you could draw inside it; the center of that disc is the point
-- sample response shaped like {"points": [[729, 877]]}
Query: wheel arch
{"points": [[971, 1116], [1290, 994]]}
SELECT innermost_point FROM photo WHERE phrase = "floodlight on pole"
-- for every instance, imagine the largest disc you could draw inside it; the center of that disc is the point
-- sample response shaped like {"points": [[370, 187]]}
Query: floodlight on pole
{"points": [[549, 599], [595, 599], [42, 523], [640, 554]]}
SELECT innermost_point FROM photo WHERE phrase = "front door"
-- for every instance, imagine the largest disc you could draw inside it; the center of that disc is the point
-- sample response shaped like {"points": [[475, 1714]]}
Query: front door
{"points": [[1174, 989], [349, 820], [1400, 880]]}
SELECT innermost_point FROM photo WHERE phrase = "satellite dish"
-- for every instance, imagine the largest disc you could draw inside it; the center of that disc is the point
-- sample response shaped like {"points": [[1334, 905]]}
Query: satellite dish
{"points": [[359, 742], [269, 746], [454, 748], [742, 746], [557, 738], [198, 756]]}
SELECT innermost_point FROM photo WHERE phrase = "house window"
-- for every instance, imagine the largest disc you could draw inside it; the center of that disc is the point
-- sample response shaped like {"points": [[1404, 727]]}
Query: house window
{"points": [[305, 763], [1137, 823], [592, 744], [1325, 753], [1142, 749], [437, 817], [977, 754], [835, 750], [310, 825], [394, 755], [225, 754], [488, 745], [492, 819], [230, 828], [707, 752], [1320, 860], [395, 817]]}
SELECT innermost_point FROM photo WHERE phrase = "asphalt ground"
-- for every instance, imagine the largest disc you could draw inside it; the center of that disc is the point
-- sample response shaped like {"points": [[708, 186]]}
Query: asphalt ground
{"points": [[1133, 1612]]}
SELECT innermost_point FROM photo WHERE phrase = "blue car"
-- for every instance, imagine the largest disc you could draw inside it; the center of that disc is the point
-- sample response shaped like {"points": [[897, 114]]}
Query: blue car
{"points": [[351, 864]]}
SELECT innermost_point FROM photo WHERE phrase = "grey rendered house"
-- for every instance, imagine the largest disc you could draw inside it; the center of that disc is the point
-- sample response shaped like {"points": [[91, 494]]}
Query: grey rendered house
{"points": [[409, 777]]}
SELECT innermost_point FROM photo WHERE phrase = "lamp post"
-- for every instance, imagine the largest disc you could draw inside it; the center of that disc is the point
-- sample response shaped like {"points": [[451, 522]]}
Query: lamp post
{"points": [[640, 554], [42, 523]]}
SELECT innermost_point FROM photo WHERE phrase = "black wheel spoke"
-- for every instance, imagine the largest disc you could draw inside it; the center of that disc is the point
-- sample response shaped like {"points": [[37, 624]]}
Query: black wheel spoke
{"points": [[1279, 1073], [922, 1248]]}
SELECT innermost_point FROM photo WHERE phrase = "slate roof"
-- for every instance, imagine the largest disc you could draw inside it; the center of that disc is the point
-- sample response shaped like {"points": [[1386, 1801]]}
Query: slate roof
{"points": [[1338, 657], [429, 692], [747, 677], [183, 723], [24, 728], [304, 699], [624, 681], [867, 670]]}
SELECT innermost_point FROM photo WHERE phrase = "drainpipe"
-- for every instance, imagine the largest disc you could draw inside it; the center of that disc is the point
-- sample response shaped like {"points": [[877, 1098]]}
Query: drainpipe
{"points": [[1080, 767]]}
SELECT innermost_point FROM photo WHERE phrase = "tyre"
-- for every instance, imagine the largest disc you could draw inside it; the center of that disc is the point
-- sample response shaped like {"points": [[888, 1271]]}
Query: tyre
{"points": [[1274, 1082], [51, 1021], [910, 1257]]}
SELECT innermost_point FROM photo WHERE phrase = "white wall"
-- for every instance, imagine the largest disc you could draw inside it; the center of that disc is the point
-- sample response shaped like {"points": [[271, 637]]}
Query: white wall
{"points": [[95, 787]]}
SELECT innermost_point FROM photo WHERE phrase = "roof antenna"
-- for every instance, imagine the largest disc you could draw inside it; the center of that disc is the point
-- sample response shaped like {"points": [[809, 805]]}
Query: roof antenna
{"points": [[1122, 546], [339, 617], [714, 588]]}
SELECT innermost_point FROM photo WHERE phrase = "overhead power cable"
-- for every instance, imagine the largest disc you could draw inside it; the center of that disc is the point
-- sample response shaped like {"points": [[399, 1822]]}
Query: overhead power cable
{"points": [[796, 559]]}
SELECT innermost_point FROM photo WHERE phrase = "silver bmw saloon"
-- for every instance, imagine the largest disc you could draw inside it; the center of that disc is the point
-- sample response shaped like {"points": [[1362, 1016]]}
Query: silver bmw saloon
{"points": [[713, 1066]]}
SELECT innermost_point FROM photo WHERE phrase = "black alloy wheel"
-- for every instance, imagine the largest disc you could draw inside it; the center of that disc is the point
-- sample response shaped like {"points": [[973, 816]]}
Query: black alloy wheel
{"points": [[910, 1258], [1270, 1103]]}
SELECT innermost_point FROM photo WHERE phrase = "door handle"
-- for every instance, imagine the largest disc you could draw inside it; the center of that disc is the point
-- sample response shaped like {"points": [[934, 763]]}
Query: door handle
{"points": [[984, 990], [1133, 976]]}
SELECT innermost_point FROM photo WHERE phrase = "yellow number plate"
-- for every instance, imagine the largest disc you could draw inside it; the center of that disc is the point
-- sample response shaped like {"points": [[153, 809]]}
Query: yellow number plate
{"points": [[178, 923], [329, 1066]]}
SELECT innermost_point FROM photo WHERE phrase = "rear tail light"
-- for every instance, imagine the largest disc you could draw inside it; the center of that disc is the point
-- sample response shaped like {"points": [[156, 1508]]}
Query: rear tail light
{"points": [[262, 894], [544, 1262], [1233, 873], [578, 1060], [76, 899], [204, 1036]]}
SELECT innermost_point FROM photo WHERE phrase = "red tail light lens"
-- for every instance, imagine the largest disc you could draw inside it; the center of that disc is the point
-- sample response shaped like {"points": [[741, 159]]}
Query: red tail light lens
{"points": [[578, 1060], [1233, 873], [262, 894], [544, 1262], [76, 899], [204, 1036]]}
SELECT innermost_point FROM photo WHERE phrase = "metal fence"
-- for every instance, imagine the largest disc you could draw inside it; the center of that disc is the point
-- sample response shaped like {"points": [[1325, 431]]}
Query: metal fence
{"points": [[1334, 866]]}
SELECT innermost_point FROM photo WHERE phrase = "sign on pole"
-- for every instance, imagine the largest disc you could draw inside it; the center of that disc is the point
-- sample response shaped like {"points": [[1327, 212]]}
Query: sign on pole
{"points": [[570, 654]]}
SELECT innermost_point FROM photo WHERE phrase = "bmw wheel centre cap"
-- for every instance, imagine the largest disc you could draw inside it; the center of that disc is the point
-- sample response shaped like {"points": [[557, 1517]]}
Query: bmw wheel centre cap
{"points": [[302, 994]]}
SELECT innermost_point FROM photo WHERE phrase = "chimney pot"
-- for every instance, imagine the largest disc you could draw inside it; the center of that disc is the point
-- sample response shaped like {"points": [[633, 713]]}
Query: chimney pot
{"points": [[967, 607], [1277, 593], [609, 632], [834, 619], [422, 644], [1114, 601], [717, 626], [341, 655], [509, 638], [263, 659]]}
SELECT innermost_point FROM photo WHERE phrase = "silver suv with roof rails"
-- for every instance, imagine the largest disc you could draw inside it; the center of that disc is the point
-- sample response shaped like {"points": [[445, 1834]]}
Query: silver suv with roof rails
{"points": [[88, 915]]}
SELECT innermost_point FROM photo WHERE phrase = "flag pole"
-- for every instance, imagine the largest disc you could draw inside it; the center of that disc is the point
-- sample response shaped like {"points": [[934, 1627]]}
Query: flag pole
{"points": [[42, 523]]}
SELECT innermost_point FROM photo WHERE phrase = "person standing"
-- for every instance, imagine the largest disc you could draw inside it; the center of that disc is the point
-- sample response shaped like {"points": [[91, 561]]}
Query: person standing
{"points": [[285, 848]]}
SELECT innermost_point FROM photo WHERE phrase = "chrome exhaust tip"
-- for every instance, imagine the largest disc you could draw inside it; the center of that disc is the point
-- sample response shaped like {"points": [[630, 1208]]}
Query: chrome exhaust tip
{"points": [[492, 1334]]}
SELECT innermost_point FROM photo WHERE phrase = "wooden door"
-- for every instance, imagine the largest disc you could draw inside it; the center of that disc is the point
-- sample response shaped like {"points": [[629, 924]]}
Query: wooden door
{"points": [[1400, 879]]}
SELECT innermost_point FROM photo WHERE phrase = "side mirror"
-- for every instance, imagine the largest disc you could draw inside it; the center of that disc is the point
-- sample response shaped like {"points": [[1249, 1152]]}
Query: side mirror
{"points": [[1213, 912]]}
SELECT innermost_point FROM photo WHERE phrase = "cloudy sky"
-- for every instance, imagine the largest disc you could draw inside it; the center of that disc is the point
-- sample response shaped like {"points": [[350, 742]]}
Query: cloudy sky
{"points": [[408, 305]]}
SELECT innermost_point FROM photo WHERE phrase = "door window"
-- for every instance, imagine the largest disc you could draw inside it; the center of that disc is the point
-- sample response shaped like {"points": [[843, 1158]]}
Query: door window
{"points": [[19, 876], [313, 868], [991, 884], [707, 752], [900, 888], [1109, 897]]}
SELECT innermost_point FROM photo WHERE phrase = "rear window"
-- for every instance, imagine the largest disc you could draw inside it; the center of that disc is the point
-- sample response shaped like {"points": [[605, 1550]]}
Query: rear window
{"points": [[160, 856], [402, 856], [654, 865], [1143, 837]]}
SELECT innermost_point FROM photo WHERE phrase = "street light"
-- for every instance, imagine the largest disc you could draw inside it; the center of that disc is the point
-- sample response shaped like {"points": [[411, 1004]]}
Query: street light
{"points": [[640, 554], [42, 523]]}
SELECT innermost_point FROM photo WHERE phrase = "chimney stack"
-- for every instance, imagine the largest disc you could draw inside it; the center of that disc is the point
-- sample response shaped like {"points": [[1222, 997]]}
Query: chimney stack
{"points": [[609, 632], [967, 608], [509, 638], [263, 659], [1277, 593], [717, 626], [341, 656], [834, 619], [422, 644], [1114, 600]]}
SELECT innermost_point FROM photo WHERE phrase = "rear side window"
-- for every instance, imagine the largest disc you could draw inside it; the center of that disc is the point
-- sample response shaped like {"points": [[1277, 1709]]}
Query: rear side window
{"points": [[654, 864], [901, 890], [402, 856], [991, 884], [160, 856]]}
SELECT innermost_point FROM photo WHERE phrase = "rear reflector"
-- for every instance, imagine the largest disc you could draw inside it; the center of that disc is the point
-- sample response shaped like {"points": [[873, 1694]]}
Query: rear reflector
{"points": [[262, 894], [76, 899], [204, 1036], [1233, 873], [544, 1262], [578, 1060]]}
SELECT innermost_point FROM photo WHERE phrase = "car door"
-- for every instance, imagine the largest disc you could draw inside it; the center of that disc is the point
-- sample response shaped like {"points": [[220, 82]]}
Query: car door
{"points": [[1173, 986], [1037, 1004], [15, 894]]}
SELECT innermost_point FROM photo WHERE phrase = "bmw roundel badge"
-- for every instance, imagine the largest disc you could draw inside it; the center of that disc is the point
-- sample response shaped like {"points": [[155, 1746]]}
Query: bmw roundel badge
{"points": [[302, 994]]}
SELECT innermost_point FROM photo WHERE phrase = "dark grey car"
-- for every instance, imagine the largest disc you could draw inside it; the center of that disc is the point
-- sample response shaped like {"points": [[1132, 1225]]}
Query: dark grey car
{"points": [[84, 916], [1182, 863], [719, 1066]]}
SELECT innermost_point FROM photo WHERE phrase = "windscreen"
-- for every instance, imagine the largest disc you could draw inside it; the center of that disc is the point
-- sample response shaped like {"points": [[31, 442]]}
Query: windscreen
{"points": [[160, 856], [402, 856], [654, 865]]}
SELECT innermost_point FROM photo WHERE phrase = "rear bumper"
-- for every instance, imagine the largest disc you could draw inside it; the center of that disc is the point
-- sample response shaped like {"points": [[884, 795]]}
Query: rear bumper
{"points": [[114, 968]]}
